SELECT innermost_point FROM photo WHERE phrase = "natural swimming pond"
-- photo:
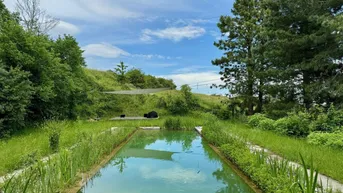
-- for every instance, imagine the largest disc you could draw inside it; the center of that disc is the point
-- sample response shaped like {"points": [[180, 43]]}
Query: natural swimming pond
{"points": [[168, 162]]}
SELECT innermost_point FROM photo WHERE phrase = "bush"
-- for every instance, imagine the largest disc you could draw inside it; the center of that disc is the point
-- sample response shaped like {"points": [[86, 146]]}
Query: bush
{"points": [[177, 106], [334, 140], [221, 113], [54, 131], [266, 124], [330, 121], [293, 125], [173, 124], [255, 120]]}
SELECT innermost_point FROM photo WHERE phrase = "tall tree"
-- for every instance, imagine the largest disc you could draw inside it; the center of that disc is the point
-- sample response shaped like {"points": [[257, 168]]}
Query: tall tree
{"points": [[15, 94], [303, 48], [33, 18], [238, 65], [121, 71]]}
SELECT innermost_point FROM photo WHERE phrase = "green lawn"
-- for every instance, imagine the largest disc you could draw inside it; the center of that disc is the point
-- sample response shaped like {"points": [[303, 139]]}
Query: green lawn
{"points": [[327, 160]]}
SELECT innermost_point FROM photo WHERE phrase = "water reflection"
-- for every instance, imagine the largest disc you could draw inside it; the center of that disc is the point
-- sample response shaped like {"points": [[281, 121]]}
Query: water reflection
{"points": [[119, 162], [169, 162]]}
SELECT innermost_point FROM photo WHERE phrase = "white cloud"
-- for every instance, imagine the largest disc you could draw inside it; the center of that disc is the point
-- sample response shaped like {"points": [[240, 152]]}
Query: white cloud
{"points": [[174, 33], [88, 10], [154, 56], [188, 69], [104, 50], [149, 56], [195, 77], [65, 28], [108, 10], [202, 21], [174, 175]]}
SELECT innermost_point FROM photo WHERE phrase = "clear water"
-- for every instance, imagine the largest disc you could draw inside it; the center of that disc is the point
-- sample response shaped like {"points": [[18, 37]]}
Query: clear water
{"points": [[166, 162]]}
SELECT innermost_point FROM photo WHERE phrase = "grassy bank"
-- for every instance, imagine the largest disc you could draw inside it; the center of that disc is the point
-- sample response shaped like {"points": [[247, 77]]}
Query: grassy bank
{"points": [[65, 168], [327, 160], [270, 174]]}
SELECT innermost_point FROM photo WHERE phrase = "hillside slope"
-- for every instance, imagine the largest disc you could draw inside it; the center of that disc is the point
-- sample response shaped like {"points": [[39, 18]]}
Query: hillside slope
{"points": [[137, 105]]}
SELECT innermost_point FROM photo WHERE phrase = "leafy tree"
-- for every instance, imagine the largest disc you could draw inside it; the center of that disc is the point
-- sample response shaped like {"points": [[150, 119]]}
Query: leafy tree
{"points": [[70, 52], [152, 82], [238, 65], [121, 71], [136, 77], [190, 99], [166, 83], [4, 13], [15, 93]]}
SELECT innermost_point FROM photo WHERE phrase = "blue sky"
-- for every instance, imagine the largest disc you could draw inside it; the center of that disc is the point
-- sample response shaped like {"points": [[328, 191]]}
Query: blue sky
{"points": [[167, 38]]}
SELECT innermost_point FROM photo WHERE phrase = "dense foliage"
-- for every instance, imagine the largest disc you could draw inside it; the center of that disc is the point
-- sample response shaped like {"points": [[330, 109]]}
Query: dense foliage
{"points": [[300, 123], [279, 54], [180, 104]]}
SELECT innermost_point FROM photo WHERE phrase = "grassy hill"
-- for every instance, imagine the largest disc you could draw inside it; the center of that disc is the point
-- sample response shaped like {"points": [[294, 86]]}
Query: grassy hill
{"points": [[137, 105]]}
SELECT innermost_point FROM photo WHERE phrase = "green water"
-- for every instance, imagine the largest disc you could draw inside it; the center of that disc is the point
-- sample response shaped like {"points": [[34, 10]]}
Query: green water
{"points": [[166, 162]]}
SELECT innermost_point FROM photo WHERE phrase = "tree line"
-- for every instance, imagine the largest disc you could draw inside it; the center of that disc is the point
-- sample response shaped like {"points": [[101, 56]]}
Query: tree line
{"points": [[283, 54], [43, 78], [139, 79]]}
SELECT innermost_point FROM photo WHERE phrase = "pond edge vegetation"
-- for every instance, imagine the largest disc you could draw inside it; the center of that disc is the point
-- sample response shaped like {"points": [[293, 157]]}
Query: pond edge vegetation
{"points": [[269, 174], [67, 168]]}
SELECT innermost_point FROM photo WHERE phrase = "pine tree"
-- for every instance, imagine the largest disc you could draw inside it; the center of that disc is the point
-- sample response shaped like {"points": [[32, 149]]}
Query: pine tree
{"points": [[239, 63], [121, 71], [302, 47]]}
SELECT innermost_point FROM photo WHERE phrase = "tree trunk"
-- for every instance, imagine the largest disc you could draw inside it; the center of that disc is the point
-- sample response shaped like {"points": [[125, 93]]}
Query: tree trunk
{"points": [[250, 80], [306, 97], [260, 98]]}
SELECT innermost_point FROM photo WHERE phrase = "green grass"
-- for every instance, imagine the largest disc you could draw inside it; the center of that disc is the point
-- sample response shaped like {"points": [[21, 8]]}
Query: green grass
{"points": [[327, 160], [106, 79]]}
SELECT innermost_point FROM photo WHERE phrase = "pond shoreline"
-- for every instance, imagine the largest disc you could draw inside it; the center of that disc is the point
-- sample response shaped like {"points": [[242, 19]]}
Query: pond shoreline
{"points": [[234, 166], [85, 177]]}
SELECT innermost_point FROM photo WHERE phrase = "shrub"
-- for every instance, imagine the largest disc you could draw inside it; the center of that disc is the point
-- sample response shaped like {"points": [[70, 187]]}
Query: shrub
{"points": [[266, 124], [254, 120], [177, 106], [330, 121], [54, 131], [221, 113], [292, 125], [173, 124], [161, 103], [334, 140]]}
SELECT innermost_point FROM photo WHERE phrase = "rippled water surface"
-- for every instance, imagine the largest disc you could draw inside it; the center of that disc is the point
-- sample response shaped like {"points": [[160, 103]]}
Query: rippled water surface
{"points": [[166, 162]]}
